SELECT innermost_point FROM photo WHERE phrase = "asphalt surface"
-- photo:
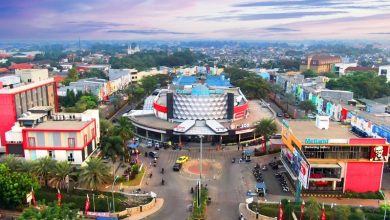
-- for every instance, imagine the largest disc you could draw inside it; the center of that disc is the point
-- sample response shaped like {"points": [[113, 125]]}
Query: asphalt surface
{"points": [[226, 191]]}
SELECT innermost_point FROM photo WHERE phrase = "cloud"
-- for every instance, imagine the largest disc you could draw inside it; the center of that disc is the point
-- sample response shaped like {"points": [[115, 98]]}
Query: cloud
{"points": [[271, 16], [148, 32], [280, 29], [381, 33], [288, 3]]}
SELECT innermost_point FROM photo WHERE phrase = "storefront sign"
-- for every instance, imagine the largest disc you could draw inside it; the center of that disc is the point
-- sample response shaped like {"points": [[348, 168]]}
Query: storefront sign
{"points": [[316, 141], [379, 153], [317, 147]]}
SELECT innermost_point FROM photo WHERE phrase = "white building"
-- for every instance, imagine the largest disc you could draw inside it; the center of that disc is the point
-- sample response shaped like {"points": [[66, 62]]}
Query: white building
{"points": [[341, 67], [121, 78], [32, 75], [385, 71]]}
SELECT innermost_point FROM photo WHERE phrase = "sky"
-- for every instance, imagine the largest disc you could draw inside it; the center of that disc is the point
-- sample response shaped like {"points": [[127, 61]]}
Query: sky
{"points": [[195, 19]]}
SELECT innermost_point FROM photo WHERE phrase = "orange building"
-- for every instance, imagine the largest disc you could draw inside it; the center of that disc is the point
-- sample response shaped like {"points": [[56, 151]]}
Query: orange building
{"points": [[319, 63]]}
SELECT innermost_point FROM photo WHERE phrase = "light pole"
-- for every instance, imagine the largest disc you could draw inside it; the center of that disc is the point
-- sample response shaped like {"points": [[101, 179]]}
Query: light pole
{"points": [[200, 171], [112, 190]]}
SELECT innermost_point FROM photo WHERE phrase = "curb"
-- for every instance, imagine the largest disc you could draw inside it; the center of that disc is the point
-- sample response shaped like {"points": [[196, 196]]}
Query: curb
{"points": [[142, 215]]}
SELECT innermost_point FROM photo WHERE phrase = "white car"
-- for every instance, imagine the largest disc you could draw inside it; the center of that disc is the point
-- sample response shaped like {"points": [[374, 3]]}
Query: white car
{"points": [[150, 144], [311, 116]]}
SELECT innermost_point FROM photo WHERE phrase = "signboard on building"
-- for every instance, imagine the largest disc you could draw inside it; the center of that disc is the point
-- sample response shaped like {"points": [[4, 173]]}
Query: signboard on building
{"points": [[302, 167], [379, 153], [299, 165]]}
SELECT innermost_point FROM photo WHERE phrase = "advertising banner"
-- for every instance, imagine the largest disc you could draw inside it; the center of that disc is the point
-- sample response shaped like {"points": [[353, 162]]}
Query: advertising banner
{"points": [[379, 153], [299, 165]]}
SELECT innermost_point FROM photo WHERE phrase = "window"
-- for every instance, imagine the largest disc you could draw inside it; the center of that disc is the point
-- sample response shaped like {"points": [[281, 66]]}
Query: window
{"points": [[85, 139], [70, 156], [71, 142], [31, 141], [51, 154]]}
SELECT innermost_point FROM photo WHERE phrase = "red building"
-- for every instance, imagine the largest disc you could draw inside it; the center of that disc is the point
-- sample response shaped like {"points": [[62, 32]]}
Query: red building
{"points": [[14, 102], [329, 159]]}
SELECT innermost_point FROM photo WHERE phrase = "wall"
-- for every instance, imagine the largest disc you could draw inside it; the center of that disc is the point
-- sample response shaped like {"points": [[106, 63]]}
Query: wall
{"points": [[363, 176], [7, 115]]}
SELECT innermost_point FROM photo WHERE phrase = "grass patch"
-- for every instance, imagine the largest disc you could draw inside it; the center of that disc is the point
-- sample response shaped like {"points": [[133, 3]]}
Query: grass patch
{"points": [[199, 213], [136, 181]]}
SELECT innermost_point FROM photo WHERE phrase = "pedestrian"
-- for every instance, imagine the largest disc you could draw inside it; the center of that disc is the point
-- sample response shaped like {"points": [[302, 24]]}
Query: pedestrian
{"points": [[238, 147]]}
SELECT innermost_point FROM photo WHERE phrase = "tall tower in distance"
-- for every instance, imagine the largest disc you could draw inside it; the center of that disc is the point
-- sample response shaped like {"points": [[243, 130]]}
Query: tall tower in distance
{"points": [[132, 49]]}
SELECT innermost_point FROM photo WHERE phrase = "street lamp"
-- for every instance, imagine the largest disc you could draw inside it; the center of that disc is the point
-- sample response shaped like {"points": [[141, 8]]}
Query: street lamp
{"points": [[200, 169], [112, 190]]}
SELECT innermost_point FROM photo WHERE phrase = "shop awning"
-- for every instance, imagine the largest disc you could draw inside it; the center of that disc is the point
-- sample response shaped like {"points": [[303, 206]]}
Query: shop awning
{"points": [[133, 145]]}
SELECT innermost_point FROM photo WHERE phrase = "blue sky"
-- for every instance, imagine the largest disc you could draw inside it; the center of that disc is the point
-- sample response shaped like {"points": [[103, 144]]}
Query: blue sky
{"points": [[195, 19]]}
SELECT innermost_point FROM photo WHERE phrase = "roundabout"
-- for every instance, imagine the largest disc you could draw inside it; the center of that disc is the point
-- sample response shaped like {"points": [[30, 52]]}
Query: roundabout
{"points": [[211, 169]]}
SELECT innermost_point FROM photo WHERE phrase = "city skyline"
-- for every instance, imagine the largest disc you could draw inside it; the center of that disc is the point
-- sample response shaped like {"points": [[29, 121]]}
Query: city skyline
{"points": [[200, 20]]}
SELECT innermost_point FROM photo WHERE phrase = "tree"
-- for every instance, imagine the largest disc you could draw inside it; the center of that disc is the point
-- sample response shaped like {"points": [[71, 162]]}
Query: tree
{"points": [[112, 147], [342, 212], [289, 99], [313, 209], [358, 214], [12, 162], [43, 168], [14, 186], [116, 100], [254, 87], [307, 106], [106, 127], [50, 211], [94, 174], [266, 127], [149, 83], [124, 128], [309, 73], [60, 173], [73, 75]]}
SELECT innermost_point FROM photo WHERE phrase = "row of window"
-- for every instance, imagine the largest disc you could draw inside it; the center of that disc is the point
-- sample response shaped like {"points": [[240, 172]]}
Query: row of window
{"points": [[71, 141], [52, 155], [337, 152]]}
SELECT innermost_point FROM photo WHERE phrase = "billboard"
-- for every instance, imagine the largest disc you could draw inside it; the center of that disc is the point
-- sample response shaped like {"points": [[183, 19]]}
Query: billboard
{"points": [[299, 165], [379, 153]]}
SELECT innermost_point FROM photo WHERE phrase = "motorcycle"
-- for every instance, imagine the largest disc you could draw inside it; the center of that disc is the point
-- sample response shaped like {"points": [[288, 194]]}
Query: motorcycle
{"points": [[162, 182], [162, 170]]}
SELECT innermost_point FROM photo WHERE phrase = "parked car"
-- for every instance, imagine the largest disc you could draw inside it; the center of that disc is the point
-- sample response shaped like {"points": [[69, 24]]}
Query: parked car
{"points": [[177, 167], [279, 114], [182, 159], [153, 154], [311, 116], [149, 144]]}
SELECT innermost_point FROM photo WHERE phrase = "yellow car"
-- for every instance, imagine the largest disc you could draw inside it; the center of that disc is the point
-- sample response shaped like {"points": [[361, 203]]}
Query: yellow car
{"points": [[182, 159]]}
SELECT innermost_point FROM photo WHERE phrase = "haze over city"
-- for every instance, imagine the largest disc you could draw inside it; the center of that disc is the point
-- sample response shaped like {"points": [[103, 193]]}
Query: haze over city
{"points": [[188, 19]]}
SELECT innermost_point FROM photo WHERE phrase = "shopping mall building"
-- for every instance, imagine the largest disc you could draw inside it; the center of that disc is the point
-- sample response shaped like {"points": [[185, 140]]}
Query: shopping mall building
{"points": [[327, 157], [197, 105]]}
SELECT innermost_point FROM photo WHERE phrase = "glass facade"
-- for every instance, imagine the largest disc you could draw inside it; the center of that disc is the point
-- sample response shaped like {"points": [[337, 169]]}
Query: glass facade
{"points": [[337, 152]]}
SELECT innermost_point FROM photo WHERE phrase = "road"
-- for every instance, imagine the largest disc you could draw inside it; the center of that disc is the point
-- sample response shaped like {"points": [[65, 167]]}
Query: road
{"points": [[226, 191]]}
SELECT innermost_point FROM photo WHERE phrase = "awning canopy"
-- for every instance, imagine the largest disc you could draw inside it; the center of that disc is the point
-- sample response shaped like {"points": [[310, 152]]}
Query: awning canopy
{"points": [[133, 145], [260, 185]]}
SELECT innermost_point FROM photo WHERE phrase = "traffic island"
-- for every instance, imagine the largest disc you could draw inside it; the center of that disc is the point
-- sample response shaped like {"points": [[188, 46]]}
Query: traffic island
{"points": [[210, 169], [200, 204]]}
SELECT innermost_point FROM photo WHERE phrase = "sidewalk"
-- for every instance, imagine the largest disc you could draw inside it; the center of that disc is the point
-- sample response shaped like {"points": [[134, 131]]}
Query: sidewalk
{"points": [[159, 204]]}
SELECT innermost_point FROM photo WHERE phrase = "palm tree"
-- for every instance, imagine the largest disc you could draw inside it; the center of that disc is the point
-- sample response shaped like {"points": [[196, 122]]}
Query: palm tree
{"points": [[266, 127], [94, 173], [43, 168], [61, 174], [289, 99], [307, 106], [124, 128], [112, 147], [12, 162]]}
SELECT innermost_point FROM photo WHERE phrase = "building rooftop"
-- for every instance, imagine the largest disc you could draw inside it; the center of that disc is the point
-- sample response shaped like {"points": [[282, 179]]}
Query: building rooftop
{"points": [[63, 125], [26, 87], [308, 129]]}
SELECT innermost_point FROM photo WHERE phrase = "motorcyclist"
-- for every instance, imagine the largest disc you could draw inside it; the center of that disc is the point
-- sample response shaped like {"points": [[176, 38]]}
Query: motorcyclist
{"points": [[162, 170]]}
